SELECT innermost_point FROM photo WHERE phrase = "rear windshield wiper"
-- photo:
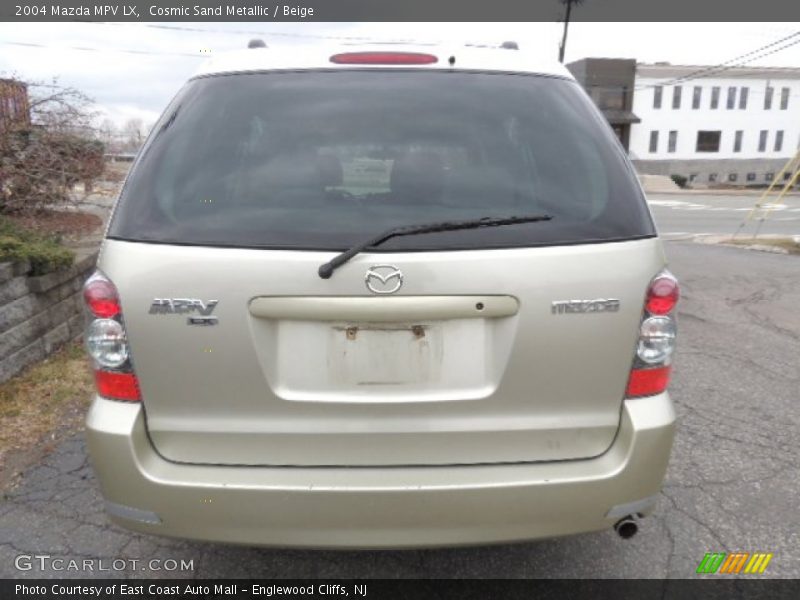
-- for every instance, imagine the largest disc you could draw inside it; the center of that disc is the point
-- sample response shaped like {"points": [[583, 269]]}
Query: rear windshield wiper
{"points": [[326, 270]]}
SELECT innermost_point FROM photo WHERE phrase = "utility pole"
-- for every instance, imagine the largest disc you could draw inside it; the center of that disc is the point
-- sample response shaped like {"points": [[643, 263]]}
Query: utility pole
{"points": [[563, 47]]}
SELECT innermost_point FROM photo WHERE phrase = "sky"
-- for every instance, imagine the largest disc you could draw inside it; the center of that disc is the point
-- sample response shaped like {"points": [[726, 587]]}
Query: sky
{"points": [[128, 85]]}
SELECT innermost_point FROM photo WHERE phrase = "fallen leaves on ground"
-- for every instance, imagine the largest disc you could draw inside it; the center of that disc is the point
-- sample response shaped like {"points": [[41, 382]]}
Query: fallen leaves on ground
{"points": [[40, 406]]}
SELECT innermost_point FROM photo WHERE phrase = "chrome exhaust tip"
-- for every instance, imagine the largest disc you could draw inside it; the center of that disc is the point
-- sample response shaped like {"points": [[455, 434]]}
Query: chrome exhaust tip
{"points": [[626, 528]]}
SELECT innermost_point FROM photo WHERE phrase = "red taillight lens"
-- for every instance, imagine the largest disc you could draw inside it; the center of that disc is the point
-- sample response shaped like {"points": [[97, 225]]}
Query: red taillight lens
{"points": [[101, 297], [117, 386], [383, 58], [651, 364], [106, 341], [663, 294], [648, 382]]}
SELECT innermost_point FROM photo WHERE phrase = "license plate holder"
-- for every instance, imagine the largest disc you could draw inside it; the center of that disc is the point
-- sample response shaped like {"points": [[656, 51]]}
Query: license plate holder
{"points": [[384, 354]]}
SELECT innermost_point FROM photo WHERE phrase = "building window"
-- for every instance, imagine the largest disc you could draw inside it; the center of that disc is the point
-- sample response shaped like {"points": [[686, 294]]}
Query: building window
{"points": [[768, 97], [731, 103], [693, 176], [715, 97], [657, 92], [676, 96], [743, 98], [762, 141], [787, 175], [697, 96], [672, 141], [712, 177], [653, 141], [732, 177], [708, 141], [751, 177], [784, 98], [769, 176], [738, 141], [779, 140]]}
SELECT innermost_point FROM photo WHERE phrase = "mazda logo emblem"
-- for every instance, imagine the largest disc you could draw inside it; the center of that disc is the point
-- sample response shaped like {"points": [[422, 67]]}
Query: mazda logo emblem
{"points": [[383, 279]]}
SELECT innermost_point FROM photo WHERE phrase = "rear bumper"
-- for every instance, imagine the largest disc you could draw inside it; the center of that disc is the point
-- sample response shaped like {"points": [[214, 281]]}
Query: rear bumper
{"points": [[373, 507]]}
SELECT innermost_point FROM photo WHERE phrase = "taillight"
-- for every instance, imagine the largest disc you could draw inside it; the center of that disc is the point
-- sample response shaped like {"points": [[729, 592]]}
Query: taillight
{"points": [[662, 294], [107, 342], [383, 58], [657, 336], [101, 296], [646, 382], [117, 386], [656, 340]]}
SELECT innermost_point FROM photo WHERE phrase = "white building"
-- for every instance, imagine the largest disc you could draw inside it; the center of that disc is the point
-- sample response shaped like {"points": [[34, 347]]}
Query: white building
{"points": [[737, 125]]}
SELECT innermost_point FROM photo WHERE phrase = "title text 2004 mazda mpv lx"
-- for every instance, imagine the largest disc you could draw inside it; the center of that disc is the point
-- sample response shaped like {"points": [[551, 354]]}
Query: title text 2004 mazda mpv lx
{"points": [[381, 296]]}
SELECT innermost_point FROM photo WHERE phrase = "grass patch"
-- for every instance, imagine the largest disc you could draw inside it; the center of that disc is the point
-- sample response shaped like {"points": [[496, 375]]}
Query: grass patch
{"points": [[45, 254], [786, 243], [42, 404]]}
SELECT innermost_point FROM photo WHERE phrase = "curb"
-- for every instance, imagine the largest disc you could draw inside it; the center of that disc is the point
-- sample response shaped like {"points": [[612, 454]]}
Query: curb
{"points": [[718, 192], [724, 240]]}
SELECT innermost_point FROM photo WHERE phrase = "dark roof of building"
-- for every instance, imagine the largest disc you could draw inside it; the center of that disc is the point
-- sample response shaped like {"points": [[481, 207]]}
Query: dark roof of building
{"points": [[620, 117]]}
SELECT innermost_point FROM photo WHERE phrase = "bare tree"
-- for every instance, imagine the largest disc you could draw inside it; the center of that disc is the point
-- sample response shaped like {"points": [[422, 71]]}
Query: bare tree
{"points": [[133, 133], [42, 158], [107, 132]]}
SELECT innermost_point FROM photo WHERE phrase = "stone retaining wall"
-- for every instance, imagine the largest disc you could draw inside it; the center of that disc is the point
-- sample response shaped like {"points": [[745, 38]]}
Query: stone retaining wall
{"points": [[39, 314]]}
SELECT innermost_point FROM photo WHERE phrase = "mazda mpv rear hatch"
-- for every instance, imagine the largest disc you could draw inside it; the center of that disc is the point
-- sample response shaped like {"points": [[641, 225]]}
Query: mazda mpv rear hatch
{"points": [[506, 339]]}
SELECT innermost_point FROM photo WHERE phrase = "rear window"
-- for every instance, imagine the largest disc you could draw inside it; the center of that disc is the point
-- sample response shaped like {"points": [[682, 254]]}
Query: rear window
{"points": [[323, 159]]}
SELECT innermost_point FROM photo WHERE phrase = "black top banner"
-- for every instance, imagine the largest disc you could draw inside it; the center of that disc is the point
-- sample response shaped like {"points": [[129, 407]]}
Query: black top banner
{"points": [[400, 10]]}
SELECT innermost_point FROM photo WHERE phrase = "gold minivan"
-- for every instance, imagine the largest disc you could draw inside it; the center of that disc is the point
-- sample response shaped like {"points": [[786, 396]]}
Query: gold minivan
{"points": [[381, 296]]}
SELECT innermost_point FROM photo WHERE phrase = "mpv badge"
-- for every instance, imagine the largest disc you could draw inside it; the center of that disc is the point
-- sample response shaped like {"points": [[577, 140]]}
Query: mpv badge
{"points": [[169, 306], [383, 279], [182, 306]]}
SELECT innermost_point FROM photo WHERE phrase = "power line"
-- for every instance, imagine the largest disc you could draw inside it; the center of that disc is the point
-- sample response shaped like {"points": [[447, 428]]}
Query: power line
{"points": [[730, 64], [700, 73], [186, 54], [733, 60], [752, 91], [88, 49], [294, 35], [725, 66], [242, 32]]}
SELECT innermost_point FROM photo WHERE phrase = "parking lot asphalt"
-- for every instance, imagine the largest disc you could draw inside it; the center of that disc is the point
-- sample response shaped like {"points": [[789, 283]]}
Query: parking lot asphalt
{"points": [[732, 483], [680, 216]]}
